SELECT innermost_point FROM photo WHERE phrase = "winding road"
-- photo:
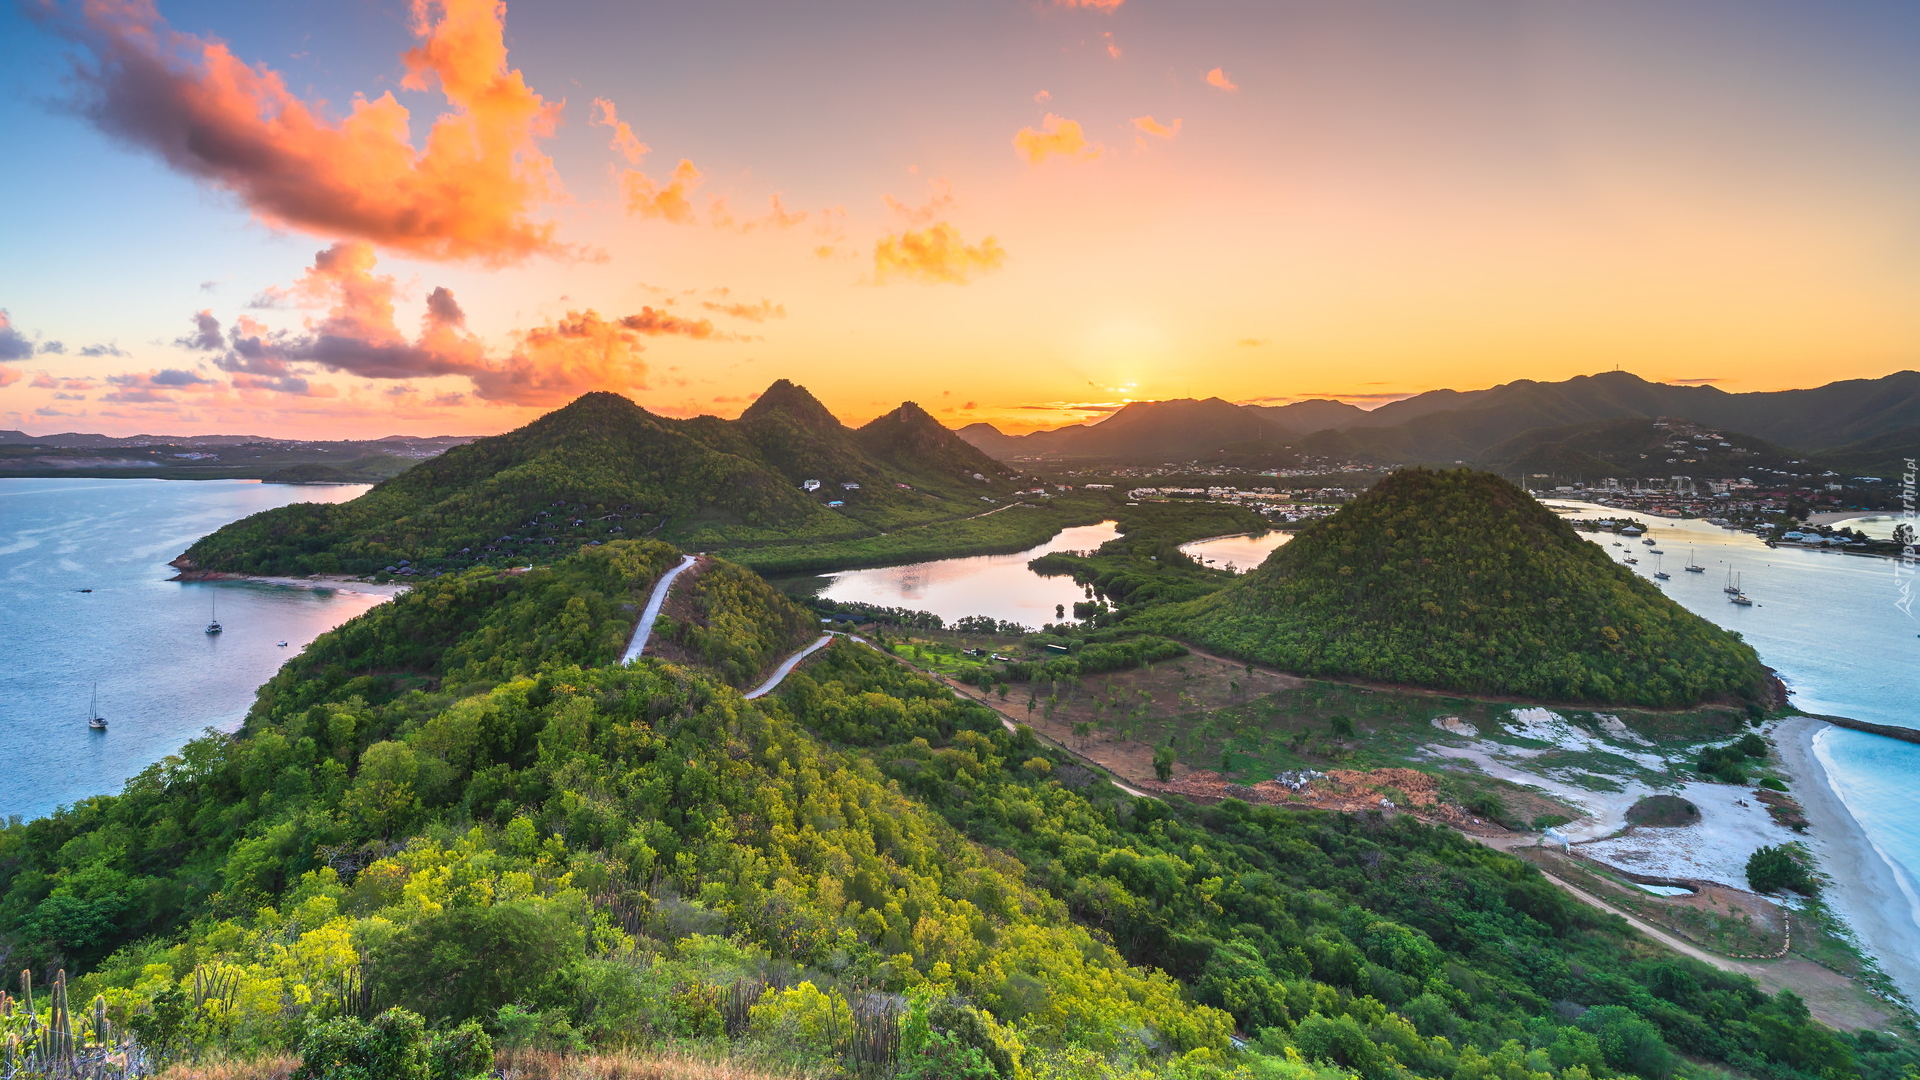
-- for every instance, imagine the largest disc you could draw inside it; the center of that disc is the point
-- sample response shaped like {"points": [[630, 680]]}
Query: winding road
{"points": [[786, 667], [644, 630]]}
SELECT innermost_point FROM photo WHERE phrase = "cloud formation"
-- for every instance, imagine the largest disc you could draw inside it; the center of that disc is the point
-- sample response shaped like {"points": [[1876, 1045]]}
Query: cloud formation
{"points": [[1056, 137], [760, 312], [935, 255], [13, 344], [1147, 125], [470, 193], [623, 140], [1108, 6], [154, 387], [359, 335], [662, 202], [206, 333], [1218, 77]]}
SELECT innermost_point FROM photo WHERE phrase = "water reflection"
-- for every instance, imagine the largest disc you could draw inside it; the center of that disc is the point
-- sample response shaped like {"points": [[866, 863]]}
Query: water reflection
{"points": [[999, 586], [1237, 553]]}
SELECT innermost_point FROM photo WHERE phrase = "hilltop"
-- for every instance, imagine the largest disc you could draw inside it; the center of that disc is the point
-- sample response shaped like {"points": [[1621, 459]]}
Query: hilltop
{"points": [[1458, 580], [602, 468]]}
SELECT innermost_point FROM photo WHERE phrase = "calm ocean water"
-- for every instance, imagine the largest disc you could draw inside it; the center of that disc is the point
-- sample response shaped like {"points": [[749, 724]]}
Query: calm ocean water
{"points": [[1828, 623], [140, 637]]}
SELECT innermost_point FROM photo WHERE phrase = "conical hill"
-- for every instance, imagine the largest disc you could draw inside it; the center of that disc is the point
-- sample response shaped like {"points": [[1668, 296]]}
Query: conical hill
{"points": [[1458, 580], [910, 439]]}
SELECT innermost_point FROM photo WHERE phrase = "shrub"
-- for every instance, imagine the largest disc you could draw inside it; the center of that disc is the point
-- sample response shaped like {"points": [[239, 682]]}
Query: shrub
{"points": [[396, 1045], [1772, 869], [1163, 762], [1752, 745], [1727, 764], [1628, 1042]]}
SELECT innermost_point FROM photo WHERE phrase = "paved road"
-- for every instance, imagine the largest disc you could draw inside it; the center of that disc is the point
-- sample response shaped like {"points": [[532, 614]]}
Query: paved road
{"points": [[645, 628], [786, 667]]}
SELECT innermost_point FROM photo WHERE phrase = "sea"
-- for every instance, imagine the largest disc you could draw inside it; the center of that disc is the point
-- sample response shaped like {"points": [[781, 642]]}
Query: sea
{"points": [[87, 614]]}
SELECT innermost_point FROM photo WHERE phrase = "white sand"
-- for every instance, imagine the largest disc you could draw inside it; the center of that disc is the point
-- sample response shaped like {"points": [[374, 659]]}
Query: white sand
{"points": [[335, 582], [1866, 890], [1732, 825]]}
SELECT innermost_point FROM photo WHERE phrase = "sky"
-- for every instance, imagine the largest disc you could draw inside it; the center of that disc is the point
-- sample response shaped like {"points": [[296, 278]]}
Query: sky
{"points": [[367, 217]]}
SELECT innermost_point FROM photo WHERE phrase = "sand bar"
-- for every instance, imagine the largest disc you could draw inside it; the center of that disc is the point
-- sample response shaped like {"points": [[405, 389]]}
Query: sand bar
{"points": [[1866, 890]]}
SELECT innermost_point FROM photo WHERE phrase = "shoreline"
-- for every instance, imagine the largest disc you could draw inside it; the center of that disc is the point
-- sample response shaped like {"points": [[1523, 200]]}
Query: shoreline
{"points": [[1861, 879], [328, 582]]}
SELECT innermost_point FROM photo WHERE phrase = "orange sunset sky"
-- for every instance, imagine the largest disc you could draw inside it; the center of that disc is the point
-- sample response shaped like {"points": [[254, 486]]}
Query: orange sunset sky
{"points": [[344, 220]]}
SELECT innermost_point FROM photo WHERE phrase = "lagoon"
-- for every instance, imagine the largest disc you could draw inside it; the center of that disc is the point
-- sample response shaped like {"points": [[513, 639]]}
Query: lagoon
{"points": [[998, 586]]}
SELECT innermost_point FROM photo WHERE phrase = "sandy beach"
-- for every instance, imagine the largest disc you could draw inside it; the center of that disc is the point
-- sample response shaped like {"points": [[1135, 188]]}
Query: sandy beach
{"points": [[1865, 889], [335, 582]]}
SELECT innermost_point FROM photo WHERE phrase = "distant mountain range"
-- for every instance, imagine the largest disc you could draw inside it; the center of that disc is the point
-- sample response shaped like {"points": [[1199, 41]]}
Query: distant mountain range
{"points": [[1864, 423], [603, 468], [74, 440]]}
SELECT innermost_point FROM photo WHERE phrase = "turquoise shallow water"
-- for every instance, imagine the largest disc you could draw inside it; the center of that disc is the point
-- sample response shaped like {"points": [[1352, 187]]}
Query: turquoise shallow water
{"points": [[162, 680], [1827, 622]]}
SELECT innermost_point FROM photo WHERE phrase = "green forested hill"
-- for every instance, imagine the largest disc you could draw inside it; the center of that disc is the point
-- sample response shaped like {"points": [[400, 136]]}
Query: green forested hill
{"points": [[601, 468], [452, 804], [1458, 580]]}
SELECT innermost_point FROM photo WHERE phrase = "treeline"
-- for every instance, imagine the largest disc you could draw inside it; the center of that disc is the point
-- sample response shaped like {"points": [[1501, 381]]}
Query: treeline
{"points": [[1458, 580]]}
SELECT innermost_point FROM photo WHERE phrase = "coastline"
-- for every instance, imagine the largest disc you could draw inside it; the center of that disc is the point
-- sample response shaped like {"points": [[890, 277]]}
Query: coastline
{"points": [[331, 582], [1864, 888]]}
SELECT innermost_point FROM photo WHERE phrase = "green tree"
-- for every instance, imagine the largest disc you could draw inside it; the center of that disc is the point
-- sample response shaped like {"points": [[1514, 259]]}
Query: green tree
{"points": [[1775, 869], [1163, 761]]}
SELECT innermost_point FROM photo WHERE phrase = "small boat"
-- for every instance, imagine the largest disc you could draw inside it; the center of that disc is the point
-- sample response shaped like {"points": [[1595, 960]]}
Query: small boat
{"points": [[1616, 543], [213, 616], [94, 719], [282, 644], [1739, 597], [1657, 551], [1693, 567], [1631, 561], [1730, 588], [1648, 541], [1660, 572], [86, 590]]}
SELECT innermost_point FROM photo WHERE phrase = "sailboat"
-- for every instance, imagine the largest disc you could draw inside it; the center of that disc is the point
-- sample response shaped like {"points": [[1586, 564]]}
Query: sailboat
{"points": [[1694, 567], [94, 719], [1739, 597], [1730, 588], [1659, 570], [213, 615]]}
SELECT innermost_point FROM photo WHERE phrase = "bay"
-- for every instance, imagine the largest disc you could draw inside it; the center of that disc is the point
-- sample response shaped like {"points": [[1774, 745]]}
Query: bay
{"points": [[141, 638], [1829, 624]]}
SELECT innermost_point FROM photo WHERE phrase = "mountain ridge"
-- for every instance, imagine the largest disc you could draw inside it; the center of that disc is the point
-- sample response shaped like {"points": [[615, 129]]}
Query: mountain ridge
{"points": [[602, 467], [1455, 425]]}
